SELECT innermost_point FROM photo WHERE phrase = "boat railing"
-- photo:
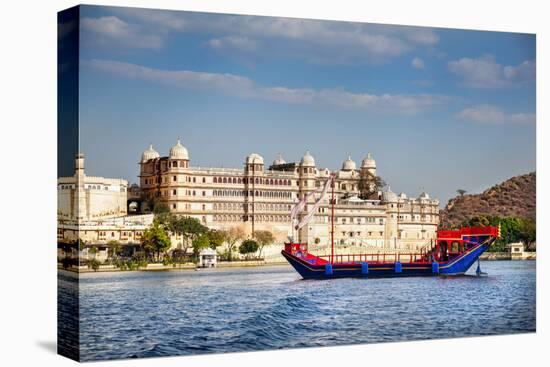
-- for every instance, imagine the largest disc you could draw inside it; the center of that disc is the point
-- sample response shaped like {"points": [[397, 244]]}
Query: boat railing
{"points": [[375, 257]]}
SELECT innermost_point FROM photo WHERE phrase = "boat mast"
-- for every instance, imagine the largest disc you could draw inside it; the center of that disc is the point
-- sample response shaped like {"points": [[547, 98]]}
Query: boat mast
{"points": [[332, 223]]}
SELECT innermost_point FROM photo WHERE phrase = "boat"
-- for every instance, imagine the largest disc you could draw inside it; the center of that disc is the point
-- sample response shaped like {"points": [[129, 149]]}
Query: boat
{"points": [[451, 253]]}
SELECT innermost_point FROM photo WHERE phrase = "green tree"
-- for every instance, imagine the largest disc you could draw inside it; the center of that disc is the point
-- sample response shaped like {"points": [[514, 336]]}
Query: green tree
{"points": [[369, 185], [160, 207], [81, 244], [248, 247], [216, 238], [166, 219], [528, 233], [264, 238], [232, 236], [461, 192], [155, 239], [115, 248], [200, 243], [94, 264], [511, 230], [93, 250], [187, 227]]}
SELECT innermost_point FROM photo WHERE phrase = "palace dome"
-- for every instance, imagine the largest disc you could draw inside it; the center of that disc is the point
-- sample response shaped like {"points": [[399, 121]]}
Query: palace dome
{"points": [[349, 164], [424, 196], [389, 196], [307, 160], [402, 196], [368, 162], [149, 153], [178, 151], [279, 160], [254, 158]]}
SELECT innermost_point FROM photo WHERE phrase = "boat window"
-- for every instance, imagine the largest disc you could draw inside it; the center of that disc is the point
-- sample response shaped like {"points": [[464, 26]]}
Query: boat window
{"points": [[455, 246]]}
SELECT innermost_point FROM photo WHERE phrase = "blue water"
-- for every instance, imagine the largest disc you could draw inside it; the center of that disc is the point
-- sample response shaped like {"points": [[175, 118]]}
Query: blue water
{"points": [[146, 314]]}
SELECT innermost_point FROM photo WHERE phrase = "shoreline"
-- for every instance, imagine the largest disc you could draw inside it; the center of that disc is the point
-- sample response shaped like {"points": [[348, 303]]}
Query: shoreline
{"points": [[492, 256], [160, 267]]}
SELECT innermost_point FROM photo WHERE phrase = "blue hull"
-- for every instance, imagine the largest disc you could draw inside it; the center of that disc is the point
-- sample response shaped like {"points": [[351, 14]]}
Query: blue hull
{"points": [[456, 266]]}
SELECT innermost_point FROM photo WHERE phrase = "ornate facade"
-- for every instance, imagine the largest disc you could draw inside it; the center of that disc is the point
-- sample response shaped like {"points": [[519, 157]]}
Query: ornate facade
{"points": [[260, 197]]}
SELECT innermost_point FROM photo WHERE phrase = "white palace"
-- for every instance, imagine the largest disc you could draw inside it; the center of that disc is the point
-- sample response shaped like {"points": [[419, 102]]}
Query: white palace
{"points": [[260, 197]]}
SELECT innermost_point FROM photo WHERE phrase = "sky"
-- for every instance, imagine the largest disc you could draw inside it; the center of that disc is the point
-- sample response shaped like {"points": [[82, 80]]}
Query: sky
{"points": [[439, 109]]}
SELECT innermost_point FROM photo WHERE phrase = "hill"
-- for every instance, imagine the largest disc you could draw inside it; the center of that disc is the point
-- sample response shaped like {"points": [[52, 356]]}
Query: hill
{"points": [[515, 197]]}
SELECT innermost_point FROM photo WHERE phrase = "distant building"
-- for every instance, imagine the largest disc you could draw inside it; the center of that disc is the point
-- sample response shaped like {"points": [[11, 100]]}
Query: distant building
{"points": [[85, 198], [125, 230], [259, 198], [94, 210]]}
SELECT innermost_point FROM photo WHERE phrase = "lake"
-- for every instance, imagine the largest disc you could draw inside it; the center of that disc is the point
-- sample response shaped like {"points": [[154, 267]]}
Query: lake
{"points": [[148, 314]]}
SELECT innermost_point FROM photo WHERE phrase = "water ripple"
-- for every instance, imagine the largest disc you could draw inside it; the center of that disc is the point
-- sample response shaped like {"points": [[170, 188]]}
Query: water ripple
{"points": [[138, 314]]}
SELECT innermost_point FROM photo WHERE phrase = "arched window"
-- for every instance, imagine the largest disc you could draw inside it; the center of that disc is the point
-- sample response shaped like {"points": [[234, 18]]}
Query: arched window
{"points": [[225, 180]]}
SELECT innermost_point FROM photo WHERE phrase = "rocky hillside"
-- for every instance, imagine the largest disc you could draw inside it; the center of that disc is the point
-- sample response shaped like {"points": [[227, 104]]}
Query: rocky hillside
{"points": [[515, 197]]}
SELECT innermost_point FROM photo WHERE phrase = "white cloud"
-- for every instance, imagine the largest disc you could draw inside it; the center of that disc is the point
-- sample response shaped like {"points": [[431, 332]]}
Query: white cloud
{"points": [[417, 63], [316, 40], [111, 31], [234, 42], [489, 114], [485, 72], [243, 87]]}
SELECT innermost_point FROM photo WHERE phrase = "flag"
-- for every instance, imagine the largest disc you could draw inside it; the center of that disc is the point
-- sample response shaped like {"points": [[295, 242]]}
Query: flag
{"points": [[305, 220]]}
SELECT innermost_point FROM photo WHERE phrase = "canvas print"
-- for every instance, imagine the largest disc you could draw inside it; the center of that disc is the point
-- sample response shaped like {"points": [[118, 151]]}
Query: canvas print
{"points": [[232, 183]]}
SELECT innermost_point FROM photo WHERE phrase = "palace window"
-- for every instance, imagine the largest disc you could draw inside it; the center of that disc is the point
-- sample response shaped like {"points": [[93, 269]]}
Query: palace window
{"points": [[204, 193], [204, 180]]}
